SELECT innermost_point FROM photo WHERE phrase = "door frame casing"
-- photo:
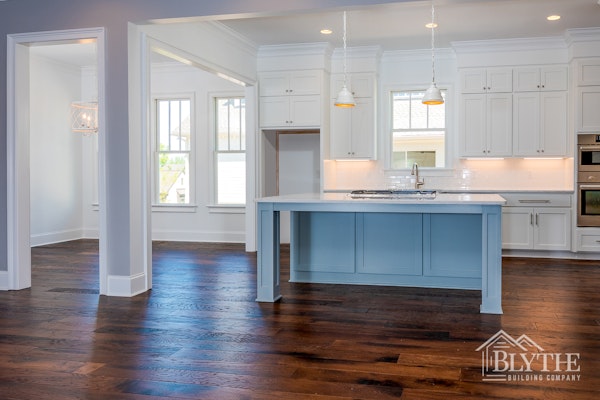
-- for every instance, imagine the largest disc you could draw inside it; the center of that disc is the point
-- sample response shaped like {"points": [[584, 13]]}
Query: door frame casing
{"points": [[18, 274]]}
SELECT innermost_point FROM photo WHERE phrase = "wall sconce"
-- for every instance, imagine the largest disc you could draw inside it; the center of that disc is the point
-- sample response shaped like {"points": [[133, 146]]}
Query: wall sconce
{"points": [[84, 117]]}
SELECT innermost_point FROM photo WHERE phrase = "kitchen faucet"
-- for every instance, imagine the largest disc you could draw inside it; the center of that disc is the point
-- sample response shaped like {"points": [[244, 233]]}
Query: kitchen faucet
{"points": [[415, 171]]}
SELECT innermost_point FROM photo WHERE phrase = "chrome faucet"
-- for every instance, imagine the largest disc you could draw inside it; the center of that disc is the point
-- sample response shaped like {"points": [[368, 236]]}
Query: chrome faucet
{"points": [[418, 181]]}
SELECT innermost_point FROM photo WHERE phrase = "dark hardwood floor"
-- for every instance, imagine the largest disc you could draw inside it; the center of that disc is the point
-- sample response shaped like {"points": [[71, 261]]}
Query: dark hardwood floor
{"points": [[199, 334]]}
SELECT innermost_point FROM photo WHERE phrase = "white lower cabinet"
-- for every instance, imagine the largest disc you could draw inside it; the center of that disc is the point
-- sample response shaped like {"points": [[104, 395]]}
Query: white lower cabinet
{"points": [[588, 239], [531, 222]]}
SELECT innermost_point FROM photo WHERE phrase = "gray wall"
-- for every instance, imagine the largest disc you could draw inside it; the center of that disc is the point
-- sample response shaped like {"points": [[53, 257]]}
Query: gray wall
{"points": [[20, 16]]}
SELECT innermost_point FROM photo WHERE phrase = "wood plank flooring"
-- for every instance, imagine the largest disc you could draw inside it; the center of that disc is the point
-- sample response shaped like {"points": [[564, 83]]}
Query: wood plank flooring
{"points": [[199, 334]]}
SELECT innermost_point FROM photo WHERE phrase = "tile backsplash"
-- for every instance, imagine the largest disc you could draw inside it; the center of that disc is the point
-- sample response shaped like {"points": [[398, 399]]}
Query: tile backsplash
{"points": [[472, 175]]}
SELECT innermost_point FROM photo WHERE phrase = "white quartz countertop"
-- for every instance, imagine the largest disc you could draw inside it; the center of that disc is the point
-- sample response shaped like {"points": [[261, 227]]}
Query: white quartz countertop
{"points": [[344, 198]]}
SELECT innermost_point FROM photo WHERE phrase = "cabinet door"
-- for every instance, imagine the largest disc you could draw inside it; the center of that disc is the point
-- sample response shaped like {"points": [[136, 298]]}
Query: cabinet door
{"points": [[341, 131], [588, 72], [274, 83], [517, 228], [588, 115], [472, 125], [305, 82], [361, 85], [499, 124], [353, 131], [473, 80], [553, 124], [526, 126], [499, 80], [274, 111], [553, 78], [552, 229], [305, 111], [526, 79], [363, 129]]}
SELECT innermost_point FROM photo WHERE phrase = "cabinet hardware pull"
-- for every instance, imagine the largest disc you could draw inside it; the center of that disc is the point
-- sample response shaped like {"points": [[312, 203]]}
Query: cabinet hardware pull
{"points": [[536, 219], [531, 219], [534, 201]]}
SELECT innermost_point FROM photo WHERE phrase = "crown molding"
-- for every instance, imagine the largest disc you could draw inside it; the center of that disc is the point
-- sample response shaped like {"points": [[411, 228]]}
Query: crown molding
{"points": [[419, 55], [582, 35], [296, 49], [517, 44]]}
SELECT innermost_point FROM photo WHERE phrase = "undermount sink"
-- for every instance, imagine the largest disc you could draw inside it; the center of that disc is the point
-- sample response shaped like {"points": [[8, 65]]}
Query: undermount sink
{"points": [[393, 194]]}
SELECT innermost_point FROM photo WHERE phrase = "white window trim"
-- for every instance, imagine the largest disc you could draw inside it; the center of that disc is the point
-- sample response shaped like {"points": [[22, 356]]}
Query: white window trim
{"points": [[213, 206], [156, 205], [451, 137]]}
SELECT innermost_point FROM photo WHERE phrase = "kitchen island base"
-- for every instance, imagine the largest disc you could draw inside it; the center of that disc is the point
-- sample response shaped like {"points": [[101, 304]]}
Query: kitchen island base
{"points": [[434, 244]]}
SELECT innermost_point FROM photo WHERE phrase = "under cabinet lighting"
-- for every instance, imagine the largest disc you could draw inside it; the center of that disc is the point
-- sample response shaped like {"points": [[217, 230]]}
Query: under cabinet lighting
{"points": [[326, 31], [483, 158], [553, 17]]}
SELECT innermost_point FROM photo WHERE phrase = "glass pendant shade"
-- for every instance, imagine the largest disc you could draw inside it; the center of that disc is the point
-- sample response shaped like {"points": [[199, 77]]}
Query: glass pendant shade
{"points": [[433, 96], [345, 98]]}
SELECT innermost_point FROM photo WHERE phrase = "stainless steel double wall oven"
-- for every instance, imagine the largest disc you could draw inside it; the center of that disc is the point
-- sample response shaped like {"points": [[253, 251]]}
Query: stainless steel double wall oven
{"points": [[588, 180]]}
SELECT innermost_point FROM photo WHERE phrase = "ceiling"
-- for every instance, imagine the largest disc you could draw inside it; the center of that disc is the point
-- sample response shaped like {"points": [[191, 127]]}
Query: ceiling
{"points": [[395, 26], [401, 25]]}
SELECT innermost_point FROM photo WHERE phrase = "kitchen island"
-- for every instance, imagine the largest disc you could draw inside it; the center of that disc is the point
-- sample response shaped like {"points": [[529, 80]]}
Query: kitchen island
{"points": [[450, 241]]}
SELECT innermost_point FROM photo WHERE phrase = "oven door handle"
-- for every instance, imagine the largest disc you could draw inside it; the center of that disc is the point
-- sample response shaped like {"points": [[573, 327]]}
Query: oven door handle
{"points": [[589, 148], [590, 186]]}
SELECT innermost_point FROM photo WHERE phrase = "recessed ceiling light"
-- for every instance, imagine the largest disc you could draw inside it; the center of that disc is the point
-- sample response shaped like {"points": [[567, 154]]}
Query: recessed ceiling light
{"points": [[326, 31], [431, 25], [553, 17]]}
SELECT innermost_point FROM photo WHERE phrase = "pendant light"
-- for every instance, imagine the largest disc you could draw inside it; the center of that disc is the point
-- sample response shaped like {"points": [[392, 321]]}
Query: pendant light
{"points": [[345, 98], [433, 95]]}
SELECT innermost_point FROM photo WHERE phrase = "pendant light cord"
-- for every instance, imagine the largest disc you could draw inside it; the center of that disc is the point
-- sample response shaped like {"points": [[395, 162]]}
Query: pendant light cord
{"points": [[344, 40], [432, 43]]}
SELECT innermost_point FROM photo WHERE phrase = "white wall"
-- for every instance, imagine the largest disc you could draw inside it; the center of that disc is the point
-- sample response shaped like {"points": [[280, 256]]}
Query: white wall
{"points": [[204, 222], [56, 174]]}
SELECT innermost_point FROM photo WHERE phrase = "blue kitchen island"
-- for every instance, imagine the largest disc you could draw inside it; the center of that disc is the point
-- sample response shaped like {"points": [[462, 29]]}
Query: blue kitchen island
{"points": [[449, 241]]}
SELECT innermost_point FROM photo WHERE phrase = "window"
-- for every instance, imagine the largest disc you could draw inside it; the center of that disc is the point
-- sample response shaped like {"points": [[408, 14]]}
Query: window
{"points": [[173, 139], [230, 150], [418, 131]]}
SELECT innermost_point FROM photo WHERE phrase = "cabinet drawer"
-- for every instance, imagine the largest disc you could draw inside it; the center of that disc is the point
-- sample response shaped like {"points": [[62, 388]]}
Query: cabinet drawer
{"points": [[588, 242], [536, 200]]}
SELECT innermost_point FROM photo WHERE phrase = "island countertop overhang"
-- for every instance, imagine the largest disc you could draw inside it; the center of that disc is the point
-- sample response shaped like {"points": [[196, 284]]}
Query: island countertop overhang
{"points": [[462, 199]]}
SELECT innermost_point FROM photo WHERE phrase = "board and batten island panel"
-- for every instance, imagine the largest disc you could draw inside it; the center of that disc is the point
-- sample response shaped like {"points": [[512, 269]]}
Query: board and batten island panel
{"points": [[451, 241]]}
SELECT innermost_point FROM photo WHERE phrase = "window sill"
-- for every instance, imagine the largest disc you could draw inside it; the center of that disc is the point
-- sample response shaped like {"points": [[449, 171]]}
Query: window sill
{"points": [[226, 209], [175, 208]]}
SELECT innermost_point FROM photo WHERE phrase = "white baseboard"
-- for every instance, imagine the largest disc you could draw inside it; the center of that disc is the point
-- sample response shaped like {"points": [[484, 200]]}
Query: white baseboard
{"points": [[126, 286], [3, 280], [42, 239], [199, 236]]}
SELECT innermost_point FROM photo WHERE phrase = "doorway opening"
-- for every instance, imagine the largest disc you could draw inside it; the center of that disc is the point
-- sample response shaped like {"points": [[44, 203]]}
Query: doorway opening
{"points": [[55, 172]]}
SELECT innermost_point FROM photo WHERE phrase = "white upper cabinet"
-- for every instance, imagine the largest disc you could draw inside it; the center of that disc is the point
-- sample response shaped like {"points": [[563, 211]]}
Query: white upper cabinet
{"points": [[353, 130], [359, 84], [535, 79], [588, 72], [486, 80], [540, 124], [486, 125], [291, 99], [290, 83], [587, 101]]}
